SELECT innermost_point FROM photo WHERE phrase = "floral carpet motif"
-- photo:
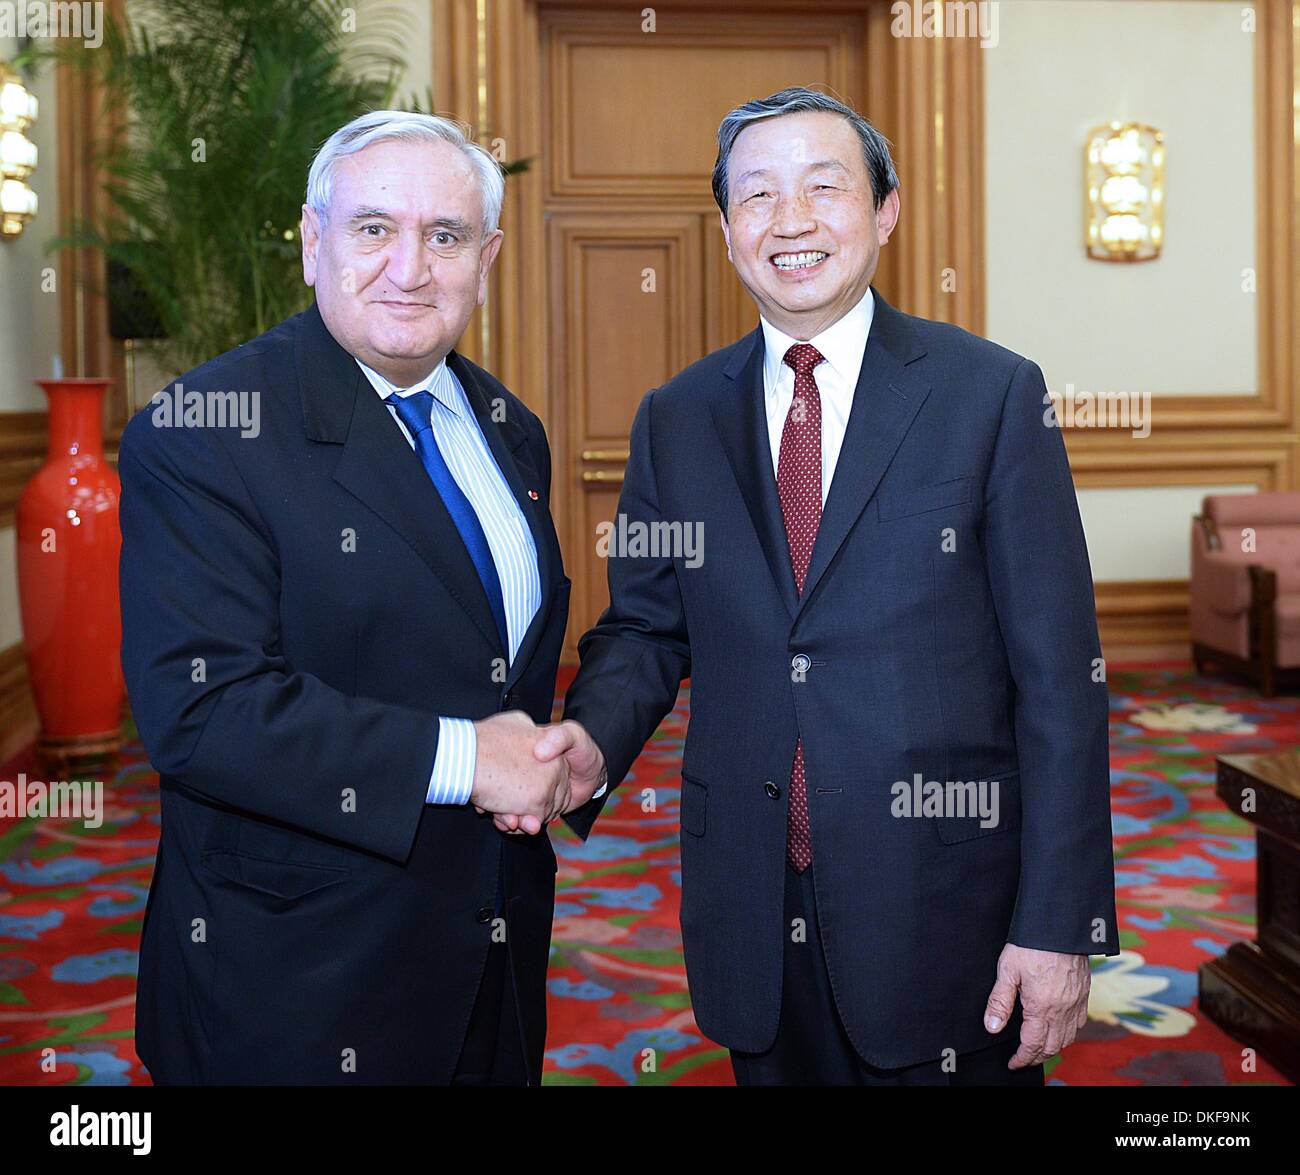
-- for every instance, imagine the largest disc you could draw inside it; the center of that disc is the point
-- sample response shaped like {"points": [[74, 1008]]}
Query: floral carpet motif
{"points": [[72, 900]]}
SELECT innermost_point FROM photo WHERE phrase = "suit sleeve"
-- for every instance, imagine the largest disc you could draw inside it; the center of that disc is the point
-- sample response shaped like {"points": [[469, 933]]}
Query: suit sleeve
{"points": [[636, 656], [581, 819], [1042, 591], [219, 708]]}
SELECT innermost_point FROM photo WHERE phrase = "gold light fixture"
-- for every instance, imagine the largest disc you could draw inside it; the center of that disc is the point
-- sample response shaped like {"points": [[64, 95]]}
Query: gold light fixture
{"points": [[18, 110], [1124, 164]]}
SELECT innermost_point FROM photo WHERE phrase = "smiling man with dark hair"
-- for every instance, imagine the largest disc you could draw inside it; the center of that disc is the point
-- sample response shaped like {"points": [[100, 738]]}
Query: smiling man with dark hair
{"points": [[895, 592]]}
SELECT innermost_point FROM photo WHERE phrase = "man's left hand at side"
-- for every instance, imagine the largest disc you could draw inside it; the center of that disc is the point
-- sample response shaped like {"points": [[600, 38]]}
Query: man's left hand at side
{"points": [[587, 772], [1053, 989]]}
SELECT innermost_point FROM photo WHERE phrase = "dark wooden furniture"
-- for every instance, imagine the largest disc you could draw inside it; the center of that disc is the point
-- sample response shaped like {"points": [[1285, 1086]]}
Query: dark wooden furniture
{"points": [[1252, 991]]}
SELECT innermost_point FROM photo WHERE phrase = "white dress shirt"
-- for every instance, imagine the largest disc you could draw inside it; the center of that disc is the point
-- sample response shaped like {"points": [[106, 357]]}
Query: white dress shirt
{"points": [[464, 448], [842, 345]]}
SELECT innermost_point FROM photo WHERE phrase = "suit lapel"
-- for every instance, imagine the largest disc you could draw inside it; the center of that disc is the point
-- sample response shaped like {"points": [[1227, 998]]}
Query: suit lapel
{"points": [[740, 416], [507, 440], [885, 403], [379, 468]]}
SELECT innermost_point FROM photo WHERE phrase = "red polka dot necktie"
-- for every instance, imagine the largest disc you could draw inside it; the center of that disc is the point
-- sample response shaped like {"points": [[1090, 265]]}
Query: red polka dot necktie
{"points": [[799, 486]]}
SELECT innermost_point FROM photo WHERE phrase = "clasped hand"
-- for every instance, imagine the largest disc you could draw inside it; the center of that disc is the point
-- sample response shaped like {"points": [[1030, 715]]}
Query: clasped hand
{"points": [[528, 775]]}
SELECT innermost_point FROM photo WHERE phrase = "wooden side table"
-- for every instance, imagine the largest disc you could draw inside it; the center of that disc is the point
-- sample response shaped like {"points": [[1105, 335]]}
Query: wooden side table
{"points": [[1252, 991]]}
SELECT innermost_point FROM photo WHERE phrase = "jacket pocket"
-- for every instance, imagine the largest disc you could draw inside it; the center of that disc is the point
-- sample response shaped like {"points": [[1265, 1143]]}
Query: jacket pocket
{"points": [[918, 501], [693, 806], [279, 879], [1002, 804]]}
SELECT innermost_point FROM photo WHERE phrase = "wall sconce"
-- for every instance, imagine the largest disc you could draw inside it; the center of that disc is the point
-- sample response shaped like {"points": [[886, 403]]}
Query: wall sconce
{"points": [[18, 109], [1124, 163]]}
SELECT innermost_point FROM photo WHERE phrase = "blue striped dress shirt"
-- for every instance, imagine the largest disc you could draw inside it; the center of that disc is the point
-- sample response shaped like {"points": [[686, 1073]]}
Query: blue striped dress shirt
{"points": [[463, 447]]}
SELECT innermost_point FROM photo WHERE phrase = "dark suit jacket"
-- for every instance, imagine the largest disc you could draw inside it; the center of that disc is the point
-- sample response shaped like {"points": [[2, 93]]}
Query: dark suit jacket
{"points": [[947, 627], [298, 607]]}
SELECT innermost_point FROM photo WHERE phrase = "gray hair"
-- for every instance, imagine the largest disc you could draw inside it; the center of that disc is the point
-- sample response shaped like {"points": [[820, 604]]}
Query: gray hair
{"points": [[382, 125], [802, 100]]}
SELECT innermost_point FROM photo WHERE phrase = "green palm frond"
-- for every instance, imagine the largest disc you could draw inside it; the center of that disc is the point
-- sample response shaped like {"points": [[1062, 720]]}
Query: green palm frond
{"points": [[222, 104]]}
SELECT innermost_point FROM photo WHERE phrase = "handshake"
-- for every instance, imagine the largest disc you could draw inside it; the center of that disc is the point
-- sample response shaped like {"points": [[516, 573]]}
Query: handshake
{"points": [[528, 775]]}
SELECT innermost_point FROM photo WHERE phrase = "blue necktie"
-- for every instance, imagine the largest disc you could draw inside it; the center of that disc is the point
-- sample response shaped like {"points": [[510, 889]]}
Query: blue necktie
{"points": [[416, 411]]}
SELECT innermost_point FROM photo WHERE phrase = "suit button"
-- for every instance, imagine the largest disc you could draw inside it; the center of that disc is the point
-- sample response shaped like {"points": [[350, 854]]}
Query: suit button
{"points": [[484, 914], [507, 700], [772, 790], [800, 663]]}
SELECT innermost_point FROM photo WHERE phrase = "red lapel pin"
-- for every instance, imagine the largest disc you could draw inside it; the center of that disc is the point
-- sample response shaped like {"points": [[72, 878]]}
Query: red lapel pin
{"points": [[533, 494]]}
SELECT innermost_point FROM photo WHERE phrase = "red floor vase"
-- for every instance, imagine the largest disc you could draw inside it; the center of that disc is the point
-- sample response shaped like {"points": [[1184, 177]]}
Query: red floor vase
{"points": [[69, 540]]}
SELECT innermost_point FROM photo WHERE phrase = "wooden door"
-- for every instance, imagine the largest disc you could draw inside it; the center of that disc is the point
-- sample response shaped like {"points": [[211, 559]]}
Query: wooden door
{"points": [[639, 282]]}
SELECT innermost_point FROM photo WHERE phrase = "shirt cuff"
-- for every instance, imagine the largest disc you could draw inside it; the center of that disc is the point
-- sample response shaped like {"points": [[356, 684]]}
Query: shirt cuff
{"points": [[452, 778], [600, 791]]}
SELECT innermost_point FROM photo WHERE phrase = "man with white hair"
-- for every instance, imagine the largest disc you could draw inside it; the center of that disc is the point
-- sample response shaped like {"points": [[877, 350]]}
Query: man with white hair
{"points": [[339, 632]]}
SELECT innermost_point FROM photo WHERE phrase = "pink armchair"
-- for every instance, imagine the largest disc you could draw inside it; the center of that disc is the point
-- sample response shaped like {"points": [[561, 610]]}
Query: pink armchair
{"points": [[1245, 587]]}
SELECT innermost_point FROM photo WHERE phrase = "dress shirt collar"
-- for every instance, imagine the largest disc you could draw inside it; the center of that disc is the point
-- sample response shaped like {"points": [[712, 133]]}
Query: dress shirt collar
{"points": [[841, 344], [440, 383]]}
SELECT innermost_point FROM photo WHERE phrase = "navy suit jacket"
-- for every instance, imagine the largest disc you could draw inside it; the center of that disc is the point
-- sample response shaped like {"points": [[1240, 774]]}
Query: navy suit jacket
{"points": [[298, 608], [946, 628]]}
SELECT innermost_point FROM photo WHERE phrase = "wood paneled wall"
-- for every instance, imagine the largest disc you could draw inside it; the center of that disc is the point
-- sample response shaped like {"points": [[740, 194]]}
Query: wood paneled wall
{"points": [[1215, 439], [927, 96], [491, 68]]}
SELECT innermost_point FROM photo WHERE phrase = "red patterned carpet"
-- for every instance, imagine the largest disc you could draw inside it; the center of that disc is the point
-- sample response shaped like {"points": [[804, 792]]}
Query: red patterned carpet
{"points": [[71, 900]]}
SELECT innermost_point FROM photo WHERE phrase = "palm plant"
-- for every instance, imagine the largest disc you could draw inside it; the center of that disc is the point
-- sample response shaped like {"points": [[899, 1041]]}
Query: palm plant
{"points": [[219, 106]]}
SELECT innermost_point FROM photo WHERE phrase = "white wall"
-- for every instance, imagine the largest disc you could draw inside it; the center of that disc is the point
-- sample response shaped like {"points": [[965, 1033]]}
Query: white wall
{"points": [[1181, 323], [1178, 325], [1158, 548], [10, 628], [29, 318], [418, 17]]}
